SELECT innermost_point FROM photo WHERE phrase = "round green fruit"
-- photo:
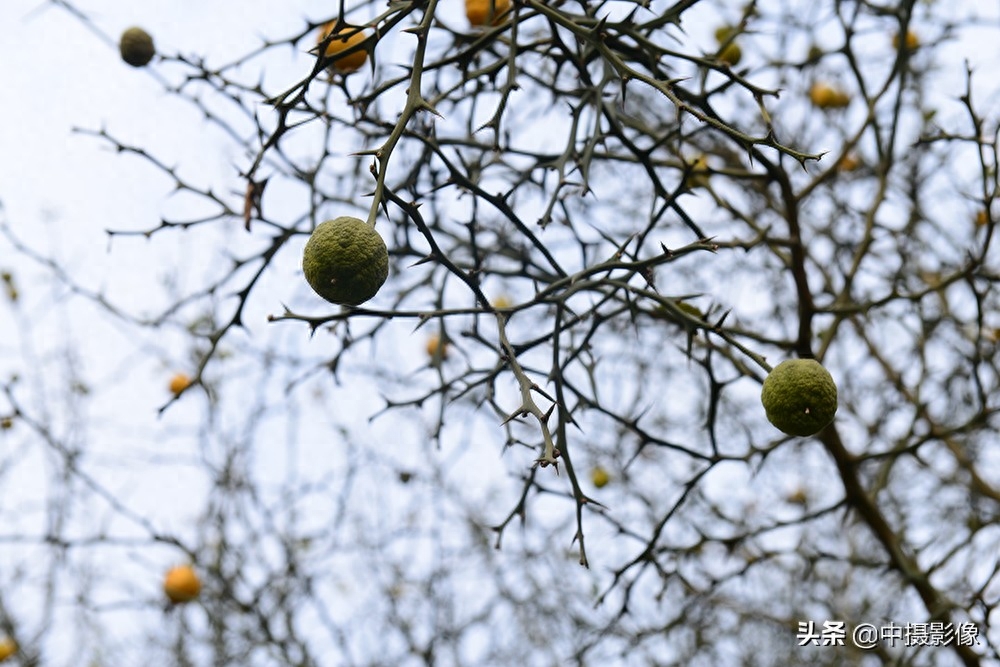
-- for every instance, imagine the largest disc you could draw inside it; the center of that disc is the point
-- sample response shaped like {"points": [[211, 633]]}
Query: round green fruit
{"points": [[724, 32], [136, 46], [600, 477], [799, 397], [345, 261], [731, 53]]}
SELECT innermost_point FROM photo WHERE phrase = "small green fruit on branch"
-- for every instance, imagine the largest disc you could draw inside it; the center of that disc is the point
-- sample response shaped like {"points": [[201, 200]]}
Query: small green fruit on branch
{"points": [[136, 46], [799, 397], [345, 261]]}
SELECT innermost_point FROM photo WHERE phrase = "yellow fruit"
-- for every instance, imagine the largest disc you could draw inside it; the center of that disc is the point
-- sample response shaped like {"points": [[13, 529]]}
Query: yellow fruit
{"points": [[798, 497], [345, 261], [502, 301], [799, 397], [181, 584], [825, 96], [912, 41], [352, 61], [724, 32], [136, 47], [437, 350], [483, 12], [982, 218], [8, 647], [698, 173], [731, 53], [179, 382], [600, 477]]}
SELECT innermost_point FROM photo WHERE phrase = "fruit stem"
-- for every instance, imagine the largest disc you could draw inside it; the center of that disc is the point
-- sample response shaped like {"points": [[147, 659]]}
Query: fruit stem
{"points": [[414, 103], [528, 405]]}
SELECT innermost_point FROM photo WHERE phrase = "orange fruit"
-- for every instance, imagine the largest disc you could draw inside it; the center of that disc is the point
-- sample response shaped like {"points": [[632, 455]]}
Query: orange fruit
{"points": [[437, 350], [178, 383], [849, 162], [181, 584], [353, 36], [8, 647], [912, 41], [825, 96], [480, 12]]}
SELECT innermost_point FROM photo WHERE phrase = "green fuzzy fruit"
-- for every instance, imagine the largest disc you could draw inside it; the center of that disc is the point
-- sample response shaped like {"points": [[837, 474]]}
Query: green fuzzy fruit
{"points": [[136, 47], [731, 55], [345, 261], [799, 397]]}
